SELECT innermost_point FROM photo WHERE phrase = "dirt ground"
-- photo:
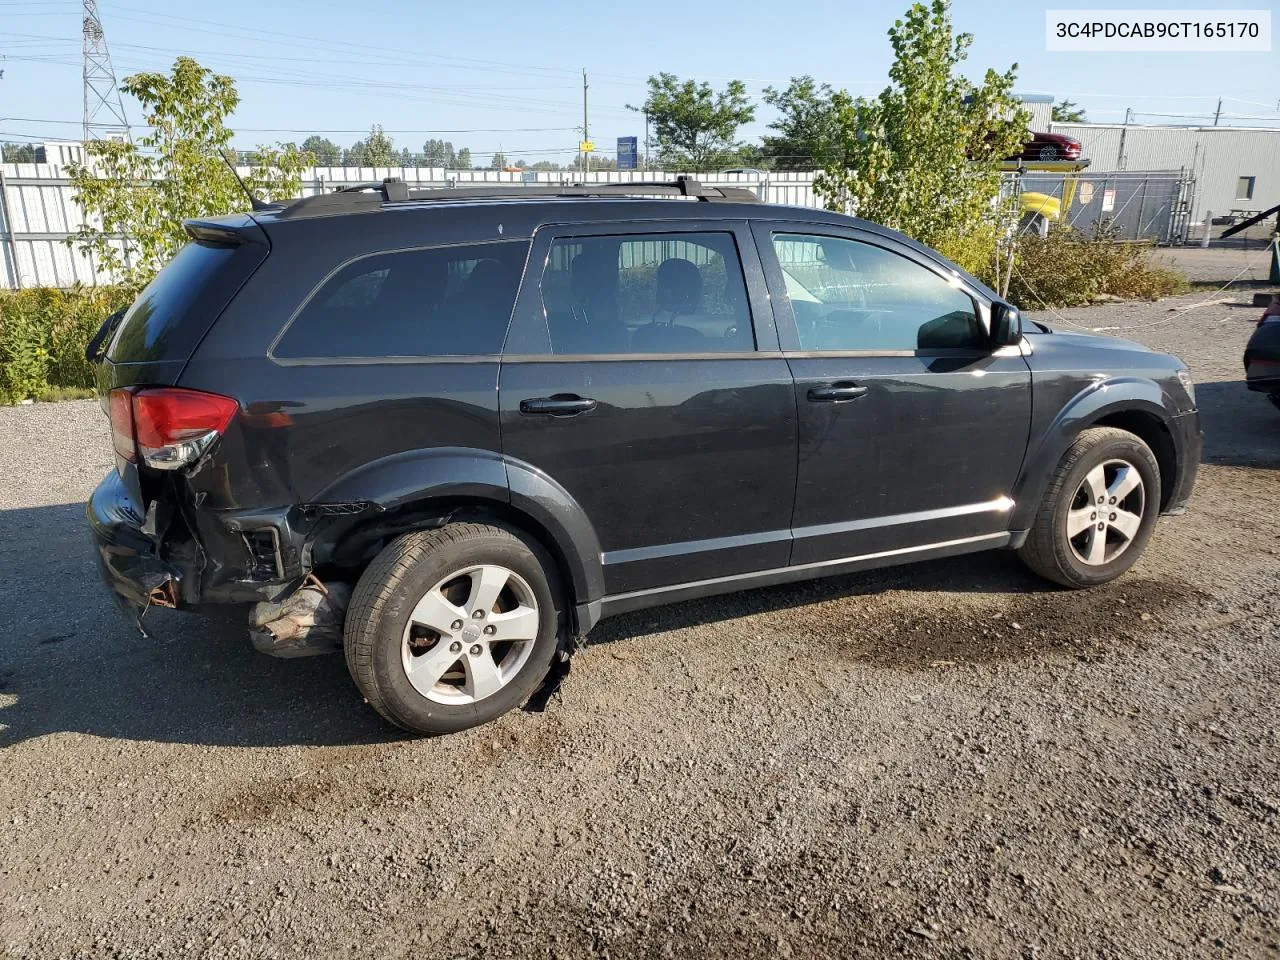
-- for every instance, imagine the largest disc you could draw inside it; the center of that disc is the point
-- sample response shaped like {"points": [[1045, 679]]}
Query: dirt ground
{"points": [[945, 760], [1220, 264]]}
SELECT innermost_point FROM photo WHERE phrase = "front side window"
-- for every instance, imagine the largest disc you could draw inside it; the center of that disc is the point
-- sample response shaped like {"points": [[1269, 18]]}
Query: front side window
{"points": [[847, 295], [646, 293], [443, 301]]}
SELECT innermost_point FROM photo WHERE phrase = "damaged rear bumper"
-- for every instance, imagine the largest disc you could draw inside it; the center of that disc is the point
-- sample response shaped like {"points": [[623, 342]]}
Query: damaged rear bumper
{"points": [[150, 557], [128, 559]]}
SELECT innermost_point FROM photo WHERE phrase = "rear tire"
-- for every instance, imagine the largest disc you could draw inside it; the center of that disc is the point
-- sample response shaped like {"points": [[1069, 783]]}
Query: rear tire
{"points": [[1098, 512], [1048, 154], [452, 627]]}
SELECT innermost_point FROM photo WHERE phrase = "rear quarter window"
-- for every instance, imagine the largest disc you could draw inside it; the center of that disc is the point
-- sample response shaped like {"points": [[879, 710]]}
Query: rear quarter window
{"points": [[173, 312], [439, 301]]}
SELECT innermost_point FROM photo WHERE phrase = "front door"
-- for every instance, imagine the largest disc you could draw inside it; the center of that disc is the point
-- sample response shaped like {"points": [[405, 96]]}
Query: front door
{"points": [[642, 374], [912, 427]]}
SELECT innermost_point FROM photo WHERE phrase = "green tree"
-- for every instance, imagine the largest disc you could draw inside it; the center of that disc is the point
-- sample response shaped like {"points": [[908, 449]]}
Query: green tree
{"points": [[326, 152], [464, 159], [924, 156], [1068, 112], [546, 165], [598, 161], [499, 161], [807, 127], [379, 151], [17, 153], [694, 126], [439, 153], [142, 191]]}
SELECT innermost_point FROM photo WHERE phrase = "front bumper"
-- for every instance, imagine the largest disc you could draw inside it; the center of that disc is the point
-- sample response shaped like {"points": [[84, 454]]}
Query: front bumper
{"points": [[1264, 384], [1188, 442]]}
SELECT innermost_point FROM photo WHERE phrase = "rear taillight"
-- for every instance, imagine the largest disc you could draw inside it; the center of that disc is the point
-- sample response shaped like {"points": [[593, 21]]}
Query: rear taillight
{"points": [[167, 428], [120, 409]]}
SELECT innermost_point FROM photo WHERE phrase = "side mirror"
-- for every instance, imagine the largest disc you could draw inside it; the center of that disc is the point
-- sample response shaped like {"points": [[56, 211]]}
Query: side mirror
{"points": [[1006, 325]]}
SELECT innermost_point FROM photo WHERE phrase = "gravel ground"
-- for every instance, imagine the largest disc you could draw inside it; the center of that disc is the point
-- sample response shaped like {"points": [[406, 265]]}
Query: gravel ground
{"points": [[945, 760], [1220, 264]]}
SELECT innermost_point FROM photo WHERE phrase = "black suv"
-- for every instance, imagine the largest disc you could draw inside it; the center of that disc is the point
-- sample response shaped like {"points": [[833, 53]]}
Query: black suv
{"points": [[461, 426]]}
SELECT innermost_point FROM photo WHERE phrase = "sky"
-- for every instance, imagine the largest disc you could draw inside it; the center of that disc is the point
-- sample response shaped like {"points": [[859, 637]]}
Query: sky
{"points": [[510, 75]]}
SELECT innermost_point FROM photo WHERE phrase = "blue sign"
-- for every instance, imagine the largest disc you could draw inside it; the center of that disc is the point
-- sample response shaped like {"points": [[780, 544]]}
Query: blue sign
{"points": [[627, 156]]}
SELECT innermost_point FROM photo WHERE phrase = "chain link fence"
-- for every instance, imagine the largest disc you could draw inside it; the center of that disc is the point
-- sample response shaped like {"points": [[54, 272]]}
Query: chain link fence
{"points": [[1137, 206]]}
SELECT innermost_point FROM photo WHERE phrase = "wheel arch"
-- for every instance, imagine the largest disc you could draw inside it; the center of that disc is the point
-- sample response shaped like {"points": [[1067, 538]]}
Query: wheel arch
{"points": [[424, 489], [1132, 404]]}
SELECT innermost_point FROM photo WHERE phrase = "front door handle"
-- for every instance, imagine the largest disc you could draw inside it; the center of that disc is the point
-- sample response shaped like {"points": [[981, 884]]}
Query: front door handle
{"points": [[836, 393], [560, 405]]}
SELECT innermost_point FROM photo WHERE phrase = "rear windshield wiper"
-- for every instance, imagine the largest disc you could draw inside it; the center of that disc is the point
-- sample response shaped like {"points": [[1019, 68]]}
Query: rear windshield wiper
{"points": [[98, 345]]}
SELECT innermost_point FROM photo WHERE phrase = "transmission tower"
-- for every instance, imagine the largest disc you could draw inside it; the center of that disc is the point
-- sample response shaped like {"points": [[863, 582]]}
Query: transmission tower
{"points": [[104, 117]]}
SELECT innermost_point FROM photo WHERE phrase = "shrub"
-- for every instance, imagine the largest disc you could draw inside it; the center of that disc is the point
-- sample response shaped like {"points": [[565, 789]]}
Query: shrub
{"points": [[1066, 269], [43, 334], [973, 251]]}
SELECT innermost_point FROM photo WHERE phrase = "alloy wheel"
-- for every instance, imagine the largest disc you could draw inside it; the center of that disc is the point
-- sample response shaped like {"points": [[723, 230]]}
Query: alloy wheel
{"points": [[1106, 512], [470, 634]]}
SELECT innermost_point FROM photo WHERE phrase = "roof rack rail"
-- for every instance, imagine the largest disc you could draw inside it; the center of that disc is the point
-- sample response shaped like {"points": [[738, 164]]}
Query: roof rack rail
{"points": [[372, 196]]}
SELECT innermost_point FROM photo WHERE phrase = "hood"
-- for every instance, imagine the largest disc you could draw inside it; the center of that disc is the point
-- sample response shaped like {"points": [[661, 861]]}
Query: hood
{"points": [[1084, 338]]}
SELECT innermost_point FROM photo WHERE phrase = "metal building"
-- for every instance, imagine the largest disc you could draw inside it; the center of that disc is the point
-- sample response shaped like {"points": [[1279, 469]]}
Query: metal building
{"points": [[1236, 169]]}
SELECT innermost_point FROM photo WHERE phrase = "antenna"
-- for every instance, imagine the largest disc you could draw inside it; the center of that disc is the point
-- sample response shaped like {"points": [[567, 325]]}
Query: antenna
{"points": [[104, 117], [254, 202]]}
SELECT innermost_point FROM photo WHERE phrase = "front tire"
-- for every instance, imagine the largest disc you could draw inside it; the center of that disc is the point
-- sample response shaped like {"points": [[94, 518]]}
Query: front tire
{"points": [[452, 627], [1048, 153], [1098, 512]]}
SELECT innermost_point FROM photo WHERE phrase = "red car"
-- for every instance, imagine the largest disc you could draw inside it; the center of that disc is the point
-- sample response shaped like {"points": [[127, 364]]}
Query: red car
{"points": [[1048, 147]]}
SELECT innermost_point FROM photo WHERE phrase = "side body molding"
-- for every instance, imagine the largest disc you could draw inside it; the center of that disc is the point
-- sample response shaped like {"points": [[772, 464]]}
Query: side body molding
{"points": [[1093, 403], [442, 473]]}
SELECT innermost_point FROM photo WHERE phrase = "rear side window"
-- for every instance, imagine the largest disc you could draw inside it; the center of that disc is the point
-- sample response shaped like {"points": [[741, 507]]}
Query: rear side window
{"points": [[647, 293], [174, 310], [443, 301]]}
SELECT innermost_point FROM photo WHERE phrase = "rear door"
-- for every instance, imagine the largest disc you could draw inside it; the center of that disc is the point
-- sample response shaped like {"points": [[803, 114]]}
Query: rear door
{"points": [[642, 373], [912, 427]]}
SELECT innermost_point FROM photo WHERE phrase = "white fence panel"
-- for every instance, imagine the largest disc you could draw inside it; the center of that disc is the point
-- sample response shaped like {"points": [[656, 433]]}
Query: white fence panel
{"points": [[38, 214]]}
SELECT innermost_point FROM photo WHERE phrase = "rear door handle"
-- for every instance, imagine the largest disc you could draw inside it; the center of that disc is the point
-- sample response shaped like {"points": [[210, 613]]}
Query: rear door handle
{"points": [[836, 393], [560, 405]]}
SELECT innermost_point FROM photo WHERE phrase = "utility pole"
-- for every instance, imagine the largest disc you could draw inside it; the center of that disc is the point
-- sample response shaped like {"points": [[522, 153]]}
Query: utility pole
{"points": [[586, 134], [104, 116], [1217, 113]]}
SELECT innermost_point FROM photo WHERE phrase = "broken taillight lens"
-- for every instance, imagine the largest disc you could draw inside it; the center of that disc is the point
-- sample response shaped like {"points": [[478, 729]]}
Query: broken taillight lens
{"points": [[167, 428]]}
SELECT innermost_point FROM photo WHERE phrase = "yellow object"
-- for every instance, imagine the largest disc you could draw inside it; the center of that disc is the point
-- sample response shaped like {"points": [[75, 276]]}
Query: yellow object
{"points": [[1044, 166], [586, 146], [1046, 206]]}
